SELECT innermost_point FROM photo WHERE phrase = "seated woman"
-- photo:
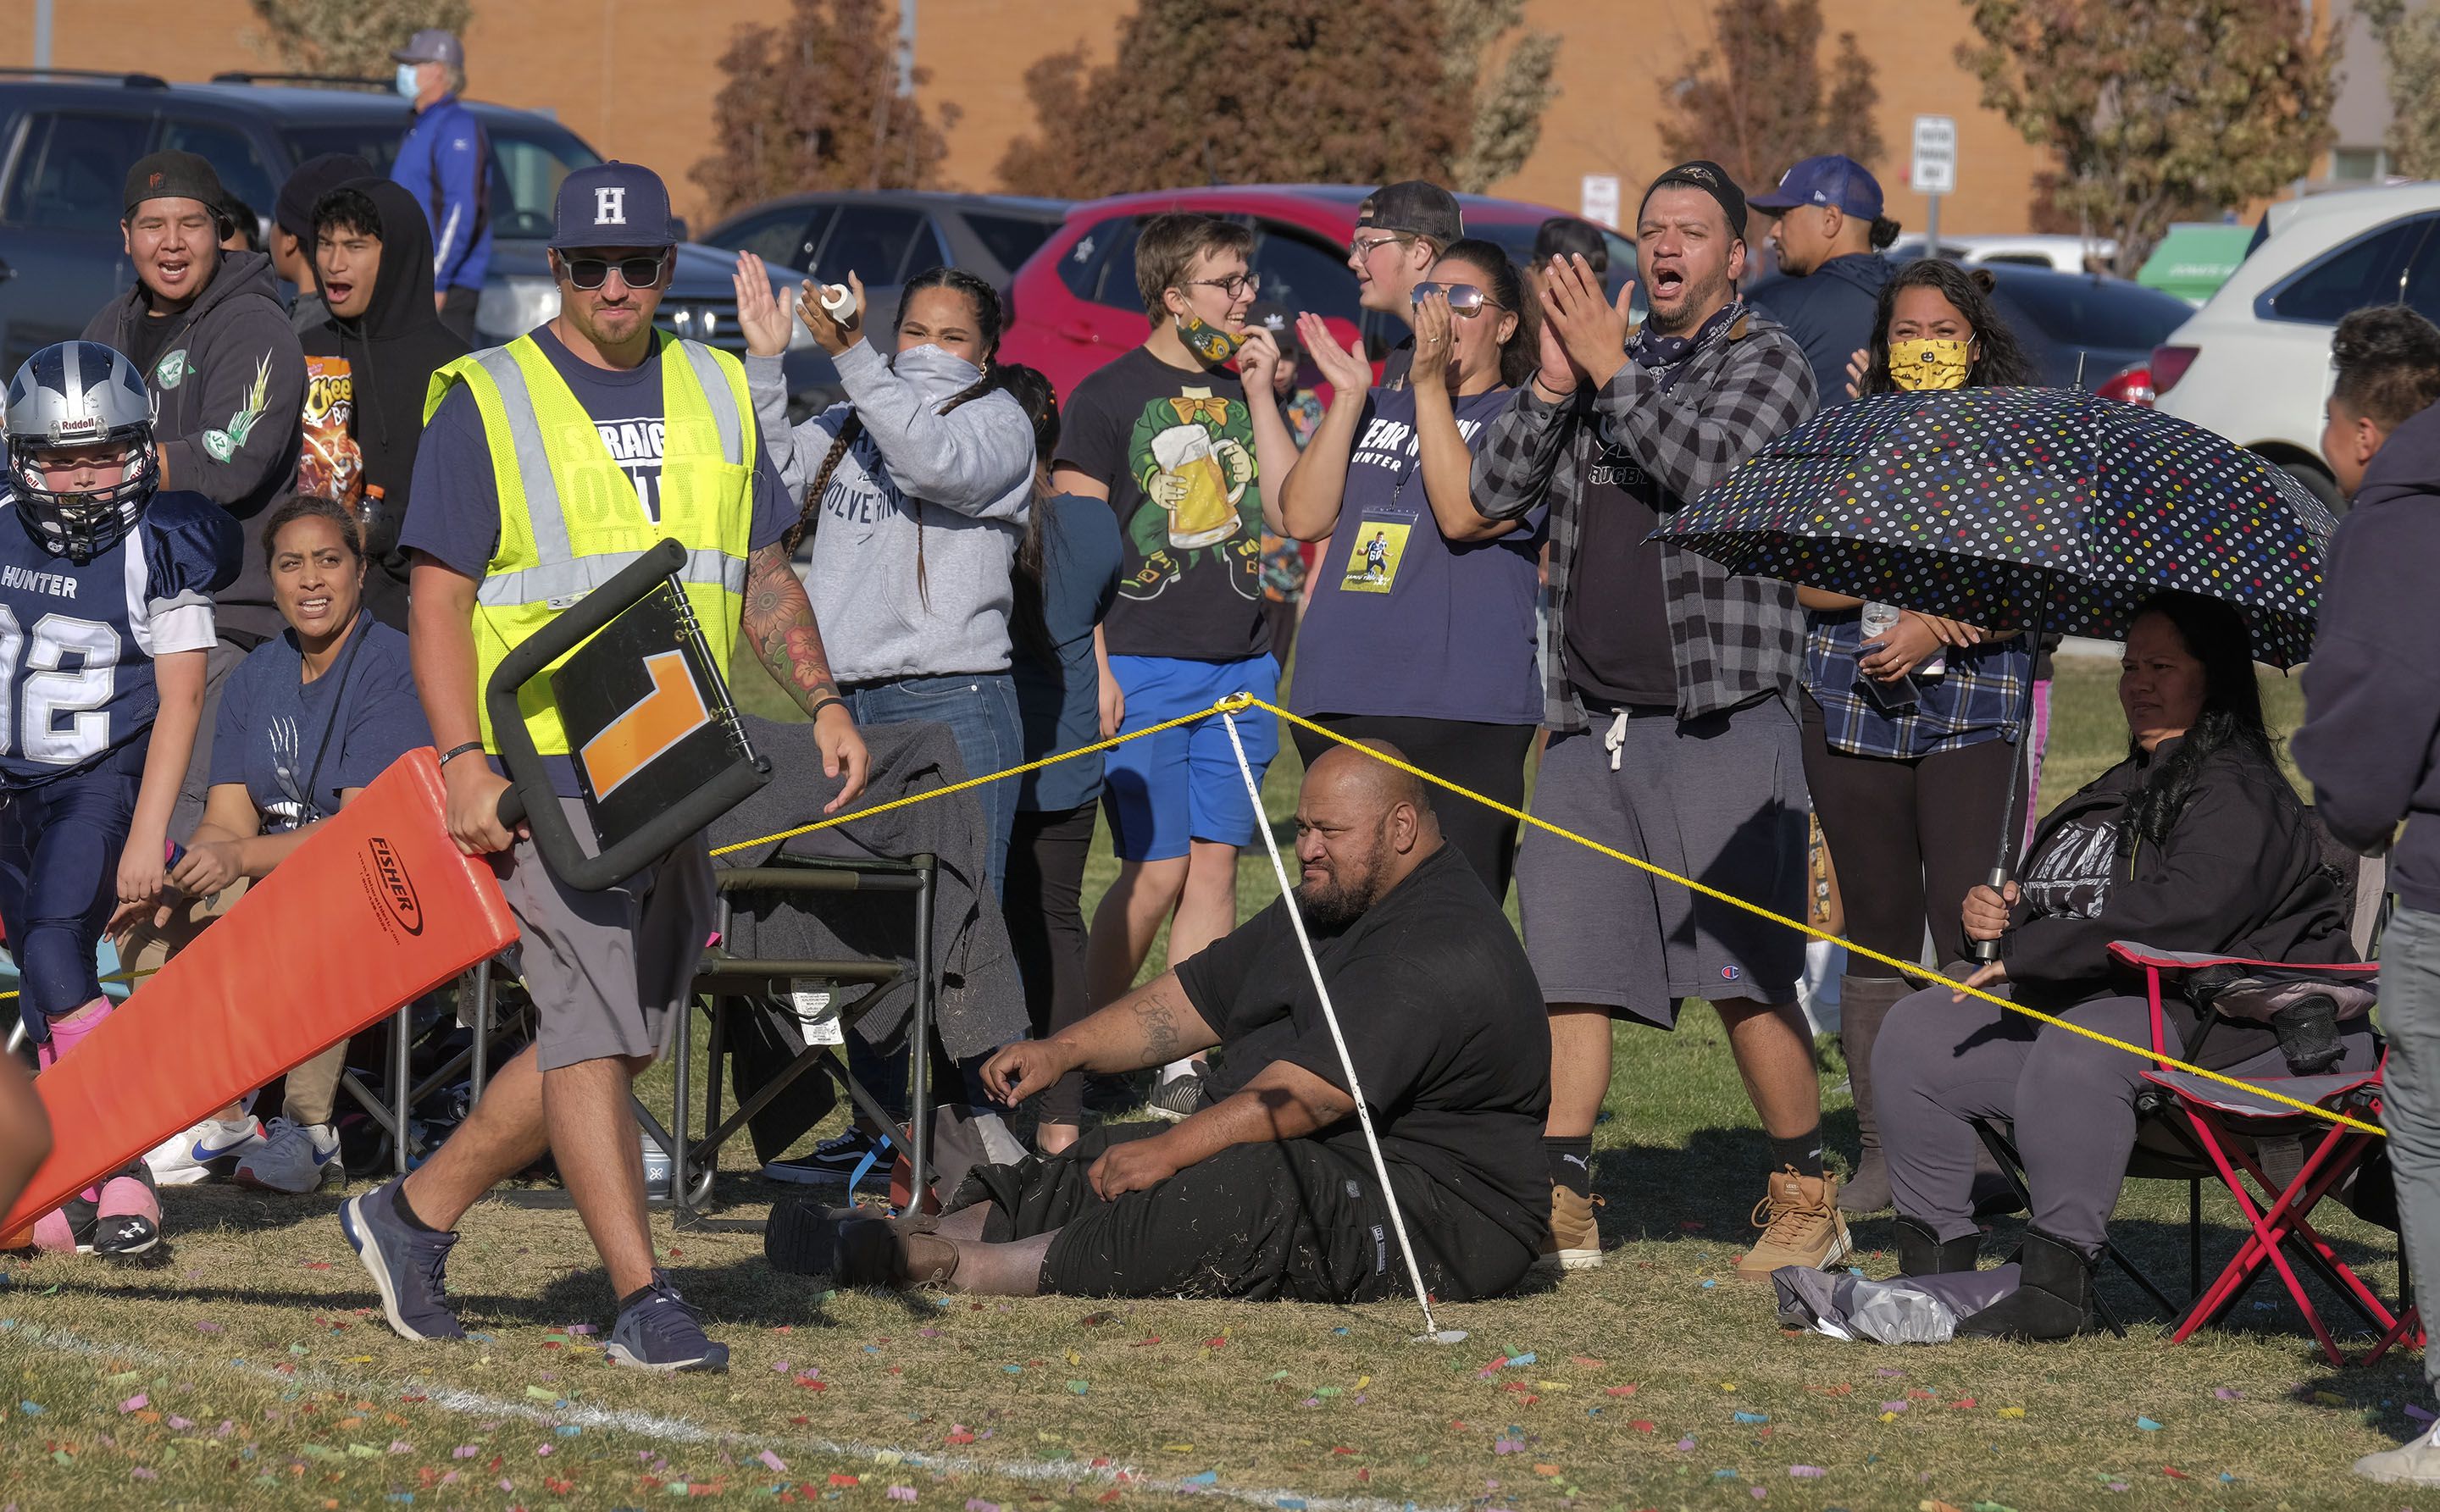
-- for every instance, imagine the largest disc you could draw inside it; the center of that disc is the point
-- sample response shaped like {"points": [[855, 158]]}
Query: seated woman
{"points": [[2195, 841], [309, 720]]}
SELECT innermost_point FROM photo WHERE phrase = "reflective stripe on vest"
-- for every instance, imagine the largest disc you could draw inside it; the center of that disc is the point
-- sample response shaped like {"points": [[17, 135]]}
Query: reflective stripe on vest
{"points": [[548, 558]]}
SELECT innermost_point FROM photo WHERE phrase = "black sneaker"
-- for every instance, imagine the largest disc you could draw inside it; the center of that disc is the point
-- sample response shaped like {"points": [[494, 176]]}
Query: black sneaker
{"points": [[835, 1162], [405, 1263], [1177, 1096], [660, 1331]]}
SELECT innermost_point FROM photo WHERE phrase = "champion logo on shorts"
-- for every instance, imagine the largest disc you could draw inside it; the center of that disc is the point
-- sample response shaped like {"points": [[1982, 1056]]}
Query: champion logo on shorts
{"points": [[1730, 973]]}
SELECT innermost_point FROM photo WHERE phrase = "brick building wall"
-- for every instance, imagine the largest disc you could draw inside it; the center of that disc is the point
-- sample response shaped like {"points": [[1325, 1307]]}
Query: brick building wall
{"points": [[636, 78]]}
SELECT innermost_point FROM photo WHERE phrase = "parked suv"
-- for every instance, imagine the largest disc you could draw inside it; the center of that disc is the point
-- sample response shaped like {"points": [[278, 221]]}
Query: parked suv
{"points": [[1077, 307], [66, 142], [2253, 363], [888, 235]]}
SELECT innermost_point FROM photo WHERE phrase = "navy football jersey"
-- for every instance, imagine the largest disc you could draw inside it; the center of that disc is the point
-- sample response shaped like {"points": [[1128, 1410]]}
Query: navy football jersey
{"points": [[77, 643]]}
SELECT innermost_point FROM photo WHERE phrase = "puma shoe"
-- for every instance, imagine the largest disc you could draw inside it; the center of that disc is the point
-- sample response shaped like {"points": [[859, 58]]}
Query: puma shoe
{"points": [[1574, 1241], [1800, 1223]]}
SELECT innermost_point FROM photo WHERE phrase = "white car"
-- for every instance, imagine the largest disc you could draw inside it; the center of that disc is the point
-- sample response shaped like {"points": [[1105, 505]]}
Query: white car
{"points": [[2058, 253], [2253, 363]]}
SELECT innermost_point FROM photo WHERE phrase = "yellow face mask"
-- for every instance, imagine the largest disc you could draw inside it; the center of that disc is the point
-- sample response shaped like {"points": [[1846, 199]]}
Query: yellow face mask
{"points": [[1916, 365]]}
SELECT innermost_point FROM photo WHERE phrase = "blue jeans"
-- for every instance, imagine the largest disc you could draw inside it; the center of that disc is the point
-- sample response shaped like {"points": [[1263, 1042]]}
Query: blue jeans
{"points": [[2409, 1015], [979, 709]]}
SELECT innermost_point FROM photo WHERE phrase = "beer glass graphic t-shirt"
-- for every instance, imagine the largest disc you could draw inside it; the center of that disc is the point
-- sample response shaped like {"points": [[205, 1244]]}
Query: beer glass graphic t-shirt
{"points": [[1176, 450]]}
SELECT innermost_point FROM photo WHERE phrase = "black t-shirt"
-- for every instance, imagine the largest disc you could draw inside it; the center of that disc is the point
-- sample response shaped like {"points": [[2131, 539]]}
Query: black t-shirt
{"points": [[1443, 1021], [152, 335], [1615, 635], [1176, 450]]}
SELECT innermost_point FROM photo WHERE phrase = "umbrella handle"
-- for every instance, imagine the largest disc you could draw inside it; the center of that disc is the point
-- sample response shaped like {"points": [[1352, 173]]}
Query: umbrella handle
{"points": [[1987, 951]]}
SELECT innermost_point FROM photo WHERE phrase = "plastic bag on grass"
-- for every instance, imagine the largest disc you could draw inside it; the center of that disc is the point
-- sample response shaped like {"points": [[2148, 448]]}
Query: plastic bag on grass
{"points": [[1908, 1309]]}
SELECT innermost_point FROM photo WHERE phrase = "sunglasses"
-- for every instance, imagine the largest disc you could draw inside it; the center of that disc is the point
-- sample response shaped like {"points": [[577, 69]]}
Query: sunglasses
{"points": [[1362, 247], [1463, 298], [639, 273]]}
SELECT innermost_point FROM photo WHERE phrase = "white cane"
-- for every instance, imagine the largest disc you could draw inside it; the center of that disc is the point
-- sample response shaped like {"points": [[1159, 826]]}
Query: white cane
{"points": [[1433, 1332]]}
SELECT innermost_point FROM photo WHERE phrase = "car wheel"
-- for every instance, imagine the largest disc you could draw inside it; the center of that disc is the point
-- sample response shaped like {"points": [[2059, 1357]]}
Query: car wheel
{"points": [[2318, 483]]}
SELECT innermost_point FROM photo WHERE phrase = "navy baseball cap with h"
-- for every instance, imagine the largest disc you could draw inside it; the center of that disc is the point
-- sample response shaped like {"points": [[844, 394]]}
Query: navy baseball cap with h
{"points": [[1831, 180], [612, 205]]}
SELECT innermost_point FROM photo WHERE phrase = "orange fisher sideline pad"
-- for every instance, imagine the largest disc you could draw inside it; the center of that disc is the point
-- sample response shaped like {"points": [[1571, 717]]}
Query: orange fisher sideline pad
{"points": [[381, 882]]}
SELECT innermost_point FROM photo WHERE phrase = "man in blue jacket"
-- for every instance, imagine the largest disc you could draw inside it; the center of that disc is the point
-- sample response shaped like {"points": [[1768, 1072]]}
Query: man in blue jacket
{"points": [[1828, 240], [445, 163], [2371, 746]]}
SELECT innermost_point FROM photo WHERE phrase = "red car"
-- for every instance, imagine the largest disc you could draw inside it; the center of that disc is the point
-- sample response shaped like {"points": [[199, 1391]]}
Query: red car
{"points": [[1075, 301]]}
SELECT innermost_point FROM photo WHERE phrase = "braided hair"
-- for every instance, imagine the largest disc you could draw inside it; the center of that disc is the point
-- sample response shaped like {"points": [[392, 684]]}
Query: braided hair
{"points": [[989, 319]]}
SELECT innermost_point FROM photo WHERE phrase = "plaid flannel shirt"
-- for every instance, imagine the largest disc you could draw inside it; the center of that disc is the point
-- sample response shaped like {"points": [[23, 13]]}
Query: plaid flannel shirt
{"points": [[1734, 638], [1980, 696]]}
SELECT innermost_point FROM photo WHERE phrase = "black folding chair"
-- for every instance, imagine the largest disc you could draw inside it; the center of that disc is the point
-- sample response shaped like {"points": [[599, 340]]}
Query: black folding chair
{"points": [[725, 984]]}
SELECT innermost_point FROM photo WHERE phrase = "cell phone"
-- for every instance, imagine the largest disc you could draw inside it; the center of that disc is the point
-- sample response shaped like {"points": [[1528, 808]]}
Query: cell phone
{"points": [[1889, 698]]}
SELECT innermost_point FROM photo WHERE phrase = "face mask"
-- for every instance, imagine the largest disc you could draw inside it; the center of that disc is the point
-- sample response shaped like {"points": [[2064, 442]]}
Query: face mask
{"points": [[936, 368], [1209, 343], [406, 85], [1916, 365]]}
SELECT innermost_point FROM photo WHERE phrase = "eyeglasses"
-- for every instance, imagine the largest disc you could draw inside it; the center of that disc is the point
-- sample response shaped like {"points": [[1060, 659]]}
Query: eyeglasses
{"points": [[639, 273], [1362, 248], [1233, 286], [1464, 299]]}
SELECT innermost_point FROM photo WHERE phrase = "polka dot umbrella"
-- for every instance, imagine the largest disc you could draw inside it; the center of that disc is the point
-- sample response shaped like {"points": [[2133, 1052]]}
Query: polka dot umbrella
{"points": [[2044, 510], [2012, 508]]}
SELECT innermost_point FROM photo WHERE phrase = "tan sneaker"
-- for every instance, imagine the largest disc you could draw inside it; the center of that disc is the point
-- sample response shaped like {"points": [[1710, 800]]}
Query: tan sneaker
{"points": [[1799, 1225], [1574, 1241]]}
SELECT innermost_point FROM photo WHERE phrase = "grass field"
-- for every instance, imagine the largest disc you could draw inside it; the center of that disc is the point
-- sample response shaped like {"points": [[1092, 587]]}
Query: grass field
{"points": [[247, 1367]]}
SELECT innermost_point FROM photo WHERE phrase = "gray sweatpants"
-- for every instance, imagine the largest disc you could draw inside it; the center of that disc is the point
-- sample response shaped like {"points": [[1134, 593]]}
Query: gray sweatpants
{"points": [[1939, 1064], [2409, 1015]]}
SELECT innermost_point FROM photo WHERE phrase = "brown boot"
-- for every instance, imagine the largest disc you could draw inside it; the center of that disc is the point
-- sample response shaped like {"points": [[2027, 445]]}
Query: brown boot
{"points": [[1800, 1225], [1574, 1241]]}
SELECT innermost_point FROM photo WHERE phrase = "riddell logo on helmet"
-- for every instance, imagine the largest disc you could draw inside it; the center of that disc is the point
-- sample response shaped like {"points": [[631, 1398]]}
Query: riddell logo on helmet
{"points": [[386, 878]]}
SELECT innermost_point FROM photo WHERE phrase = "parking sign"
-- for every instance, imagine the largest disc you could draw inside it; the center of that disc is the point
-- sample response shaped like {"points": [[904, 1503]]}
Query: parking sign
{"points": [[1935, 155]]}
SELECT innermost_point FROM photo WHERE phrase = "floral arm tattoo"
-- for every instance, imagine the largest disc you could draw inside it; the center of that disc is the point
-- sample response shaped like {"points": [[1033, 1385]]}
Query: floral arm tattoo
{"points": [[780, 623]]}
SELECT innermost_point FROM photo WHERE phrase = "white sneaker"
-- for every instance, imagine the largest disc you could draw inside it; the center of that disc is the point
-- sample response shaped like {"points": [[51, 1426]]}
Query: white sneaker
{"points": [[209, 1149], [2415, 1464], [293, 1158]]}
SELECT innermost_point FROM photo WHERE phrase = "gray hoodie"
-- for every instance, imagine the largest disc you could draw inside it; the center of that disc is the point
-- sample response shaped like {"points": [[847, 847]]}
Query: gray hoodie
{"points": [[227, 407], [948, 492]]}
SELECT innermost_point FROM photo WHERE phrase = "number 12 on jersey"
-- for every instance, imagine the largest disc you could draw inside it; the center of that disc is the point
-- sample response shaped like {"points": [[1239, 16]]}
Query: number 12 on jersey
{"points": [[45, 691]]}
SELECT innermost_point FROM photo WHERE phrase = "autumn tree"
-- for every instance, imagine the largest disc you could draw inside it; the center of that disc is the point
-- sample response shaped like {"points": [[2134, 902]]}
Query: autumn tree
{"points": [[1289, 91], [351, 38], [814, 104], [2157, 108], [2409, 39], [1758, 100]]}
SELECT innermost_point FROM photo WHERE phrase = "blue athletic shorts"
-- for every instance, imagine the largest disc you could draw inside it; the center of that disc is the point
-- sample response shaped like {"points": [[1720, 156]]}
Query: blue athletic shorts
{"points": [[1165, 789]]}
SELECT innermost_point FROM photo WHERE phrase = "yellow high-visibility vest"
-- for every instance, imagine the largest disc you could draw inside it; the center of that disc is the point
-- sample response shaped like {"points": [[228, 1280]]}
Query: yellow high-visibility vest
{"points": [[569, 514]]}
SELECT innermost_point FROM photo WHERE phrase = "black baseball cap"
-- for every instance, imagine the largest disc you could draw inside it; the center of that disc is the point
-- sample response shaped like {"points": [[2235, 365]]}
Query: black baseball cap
{"points": [[1564, 236], [175, 176], [1280, 321], [293, 212], [1712, 180], [1415, 208]]}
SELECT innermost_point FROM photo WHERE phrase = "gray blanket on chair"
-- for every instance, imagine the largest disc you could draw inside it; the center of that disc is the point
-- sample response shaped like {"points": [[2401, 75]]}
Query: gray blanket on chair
{"points": [[980, 1003]]}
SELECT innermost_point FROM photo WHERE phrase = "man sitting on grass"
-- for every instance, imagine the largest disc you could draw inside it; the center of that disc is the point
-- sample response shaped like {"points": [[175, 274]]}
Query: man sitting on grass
{"points": [[1267, 1189]]}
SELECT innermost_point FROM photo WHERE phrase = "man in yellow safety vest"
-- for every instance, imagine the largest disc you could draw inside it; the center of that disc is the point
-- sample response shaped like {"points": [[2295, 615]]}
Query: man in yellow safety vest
{"points": [[546, 466]]}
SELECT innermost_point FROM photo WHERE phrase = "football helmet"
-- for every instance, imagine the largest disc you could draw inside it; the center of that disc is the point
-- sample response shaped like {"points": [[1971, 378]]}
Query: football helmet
{"points": [[79, 395]]}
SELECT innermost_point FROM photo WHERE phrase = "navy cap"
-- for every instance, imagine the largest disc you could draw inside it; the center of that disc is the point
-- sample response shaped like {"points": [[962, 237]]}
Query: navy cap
{"points": [[432, 47], [1832, 180], [613, 205]]}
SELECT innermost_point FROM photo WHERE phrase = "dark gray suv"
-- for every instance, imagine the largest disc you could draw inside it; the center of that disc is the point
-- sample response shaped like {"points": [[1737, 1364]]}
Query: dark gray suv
{"points": [[66, 142]]}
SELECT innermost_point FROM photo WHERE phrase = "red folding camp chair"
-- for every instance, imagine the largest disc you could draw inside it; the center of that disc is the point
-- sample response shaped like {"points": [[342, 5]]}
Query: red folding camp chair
{"points": [[2236, 1129]]}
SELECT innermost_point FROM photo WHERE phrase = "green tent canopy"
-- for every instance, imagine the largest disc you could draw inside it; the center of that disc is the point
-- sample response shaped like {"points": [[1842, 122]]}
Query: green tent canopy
{"points": [[2193, 260]]}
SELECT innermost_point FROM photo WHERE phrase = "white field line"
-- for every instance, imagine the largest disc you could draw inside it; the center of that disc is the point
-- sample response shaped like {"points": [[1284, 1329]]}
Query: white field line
{"points": [[682, 1431]]}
